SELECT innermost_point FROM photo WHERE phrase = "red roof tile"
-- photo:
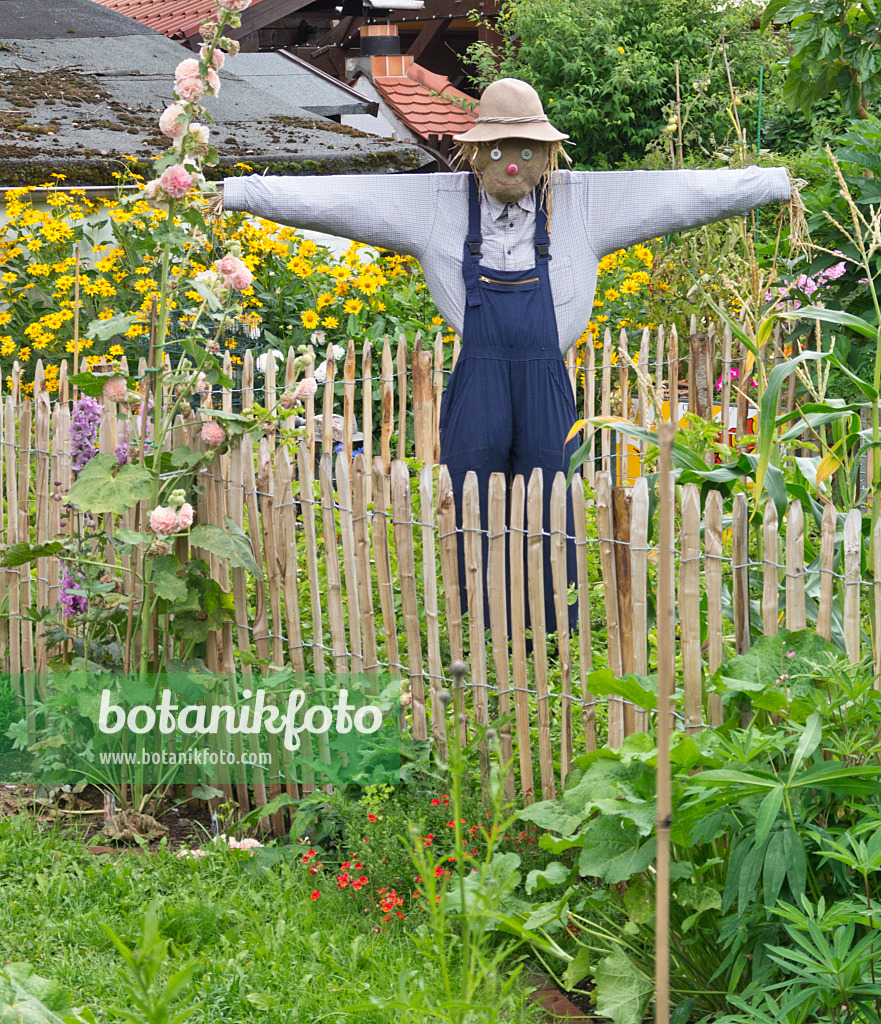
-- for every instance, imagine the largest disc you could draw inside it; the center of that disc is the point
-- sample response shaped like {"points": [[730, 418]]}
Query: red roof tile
{"points": [[412, 97], [174, 18]]}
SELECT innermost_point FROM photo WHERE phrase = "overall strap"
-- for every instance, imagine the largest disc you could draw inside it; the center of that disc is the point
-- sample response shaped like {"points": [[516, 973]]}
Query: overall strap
{"points": [[473, 241], [542, 238]]}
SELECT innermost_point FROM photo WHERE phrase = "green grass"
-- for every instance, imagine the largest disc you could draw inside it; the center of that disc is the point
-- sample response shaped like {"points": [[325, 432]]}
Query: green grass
{"points": [[265, 951]]}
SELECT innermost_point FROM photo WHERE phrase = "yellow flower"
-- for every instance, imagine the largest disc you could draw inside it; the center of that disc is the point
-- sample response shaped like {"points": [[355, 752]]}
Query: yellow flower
{"points": [[24, 354], [115, 350], [330, 321], [5, 317], [437, 320], [629, 287], [324, 299], [621, 49], [310, 319], [7, 346], [611, 295], [352, 306]]}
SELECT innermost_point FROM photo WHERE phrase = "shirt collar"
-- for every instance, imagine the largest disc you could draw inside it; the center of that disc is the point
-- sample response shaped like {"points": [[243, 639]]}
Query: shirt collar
{"points": [[497, 209]]}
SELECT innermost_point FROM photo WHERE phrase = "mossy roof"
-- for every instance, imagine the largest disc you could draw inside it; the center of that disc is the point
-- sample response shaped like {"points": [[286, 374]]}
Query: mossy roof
{"points": [[75, 104]]}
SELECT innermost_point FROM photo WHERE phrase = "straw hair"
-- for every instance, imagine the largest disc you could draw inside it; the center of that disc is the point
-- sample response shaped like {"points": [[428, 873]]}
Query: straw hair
{"points": [[467, 154]]}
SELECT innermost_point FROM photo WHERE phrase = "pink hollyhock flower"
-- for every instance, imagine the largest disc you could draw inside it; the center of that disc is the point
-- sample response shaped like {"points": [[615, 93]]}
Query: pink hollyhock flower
{"points": [[234, 272], [116, 389], [213, 433], [234, 6], [164, 521], [176, 181], [186, 69], [191, 89], [186, 516], [213, 82], [305, 389], [154, 196], [168, 123], [201, 133], [217, 57]]}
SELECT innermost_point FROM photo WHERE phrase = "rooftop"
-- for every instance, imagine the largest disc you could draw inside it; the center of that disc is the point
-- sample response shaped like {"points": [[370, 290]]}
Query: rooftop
{"points": [[91, 87], [428, 104]]}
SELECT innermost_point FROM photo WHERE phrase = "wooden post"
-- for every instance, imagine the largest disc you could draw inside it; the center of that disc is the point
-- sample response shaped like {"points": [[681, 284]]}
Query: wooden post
{"points": [[827, 577], [769, 570], [740, 554], [713, 582], [796, 617]]}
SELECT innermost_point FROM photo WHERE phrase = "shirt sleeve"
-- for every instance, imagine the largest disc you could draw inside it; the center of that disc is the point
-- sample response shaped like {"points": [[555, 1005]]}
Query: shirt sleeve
{"points": [[391, 211], [624, 207]]}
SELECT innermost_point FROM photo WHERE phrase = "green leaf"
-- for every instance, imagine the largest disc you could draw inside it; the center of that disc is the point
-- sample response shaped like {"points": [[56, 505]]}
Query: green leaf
{"points": [[554, 874], [796, 862], [131, 537], [232, 544], [577, 970], [613, 851], [22, 553], [206, 792], [267, 810], [102, 486], [169, 586], [552, 817], [832, 316], [104, 330], [634, 688], [769, 808], [623, 991], [774, 870], [810, 739]]}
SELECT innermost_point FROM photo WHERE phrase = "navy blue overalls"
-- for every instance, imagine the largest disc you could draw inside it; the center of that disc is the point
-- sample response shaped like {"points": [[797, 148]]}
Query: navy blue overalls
{"points": [[509, 404]]}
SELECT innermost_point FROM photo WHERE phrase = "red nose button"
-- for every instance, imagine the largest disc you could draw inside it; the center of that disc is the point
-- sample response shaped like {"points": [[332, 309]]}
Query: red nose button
{"points": [[512, 168]]}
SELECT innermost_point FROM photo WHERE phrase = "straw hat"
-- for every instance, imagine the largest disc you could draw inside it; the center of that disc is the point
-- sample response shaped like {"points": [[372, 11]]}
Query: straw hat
{"points": [[511, 109]]}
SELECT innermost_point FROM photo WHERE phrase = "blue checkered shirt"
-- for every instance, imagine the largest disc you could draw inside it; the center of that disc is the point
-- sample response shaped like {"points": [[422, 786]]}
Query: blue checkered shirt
{"points": [[426, 216]]}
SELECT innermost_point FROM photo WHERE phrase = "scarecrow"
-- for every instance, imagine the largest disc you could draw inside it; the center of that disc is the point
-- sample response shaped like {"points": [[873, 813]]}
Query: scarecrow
{"points": [[510, 251]]}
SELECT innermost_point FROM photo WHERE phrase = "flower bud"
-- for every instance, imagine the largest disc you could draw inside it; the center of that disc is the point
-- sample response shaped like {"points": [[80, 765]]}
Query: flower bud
{"points": [[158, 549]]}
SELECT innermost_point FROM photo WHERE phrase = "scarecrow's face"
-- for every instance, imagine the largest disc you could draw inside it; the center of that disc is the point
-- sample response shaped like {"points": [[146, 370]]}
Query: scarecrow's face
{"points": [[511, 168]]}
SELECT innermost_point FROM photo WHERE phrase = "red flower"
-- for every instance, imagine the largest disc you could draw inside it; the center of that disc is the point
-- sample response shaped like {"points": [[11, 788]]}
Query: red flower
{"points": [[315, 895], [435, 802], [371, 817]]}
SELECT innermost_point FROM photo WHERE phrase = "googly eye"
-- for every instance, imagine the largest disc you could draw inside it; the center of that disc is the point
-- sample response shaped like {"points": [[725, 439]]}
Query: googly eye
{"points": [[496, 154], [526, 154]]}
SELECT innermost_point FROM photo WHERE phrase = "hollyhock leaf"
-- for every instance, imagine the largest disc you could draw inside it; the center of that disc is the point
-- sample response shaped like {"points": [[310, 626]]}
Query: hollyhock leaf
{"points": [[103, 330], [183, 457], [169, 586], [104, 486], [623, 991], [578, 969], [207, 294], [21, 554], [231, 544], [92, 384], [613, 851]]}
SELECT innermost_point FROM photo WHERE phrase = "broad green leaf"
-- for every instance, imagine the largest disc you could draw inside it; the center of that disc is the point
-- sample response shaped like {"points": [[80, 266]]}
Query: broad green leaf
{"points": [[749, 780], [638, 902], [169, 586], [130, 537], [614, 851], [103, 486], [92, 384], [552, 817], [603, 683], [232, 544], [622, 989], [266, 811], [769, 808], [22, 553], [103, 330], [833, 316], [577, 970], [554, 874]]}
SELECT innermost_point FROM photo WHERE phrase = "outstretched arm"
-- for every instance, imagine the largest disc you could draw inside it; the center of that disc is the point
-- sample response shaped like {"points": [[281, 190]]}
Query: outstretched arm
{"points": [[392, 211], [624, 207]]}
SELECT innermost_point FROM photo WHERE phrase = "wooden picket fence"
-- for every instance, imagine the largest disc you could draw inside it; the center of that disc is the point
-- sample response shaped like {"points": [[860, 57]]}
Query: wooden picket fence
{"points": [[383, 538]]}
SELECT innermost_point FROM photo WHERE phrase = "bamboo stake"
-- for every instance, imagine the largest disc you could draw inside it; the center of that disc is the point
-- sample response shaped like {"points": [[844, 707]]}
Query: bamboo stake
{"points": [[690, 608], [713, 580], [349, 400], [367, 417], [623, 591], [327, 405], [666, 628], [853, 543], [639, 567], [285, 518], [387, 425], [383, 568], [610, 589], [606, 403], [437, 387], [585, 654], [876, 587], [497, 589], [590, 407], [402, 364]]}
